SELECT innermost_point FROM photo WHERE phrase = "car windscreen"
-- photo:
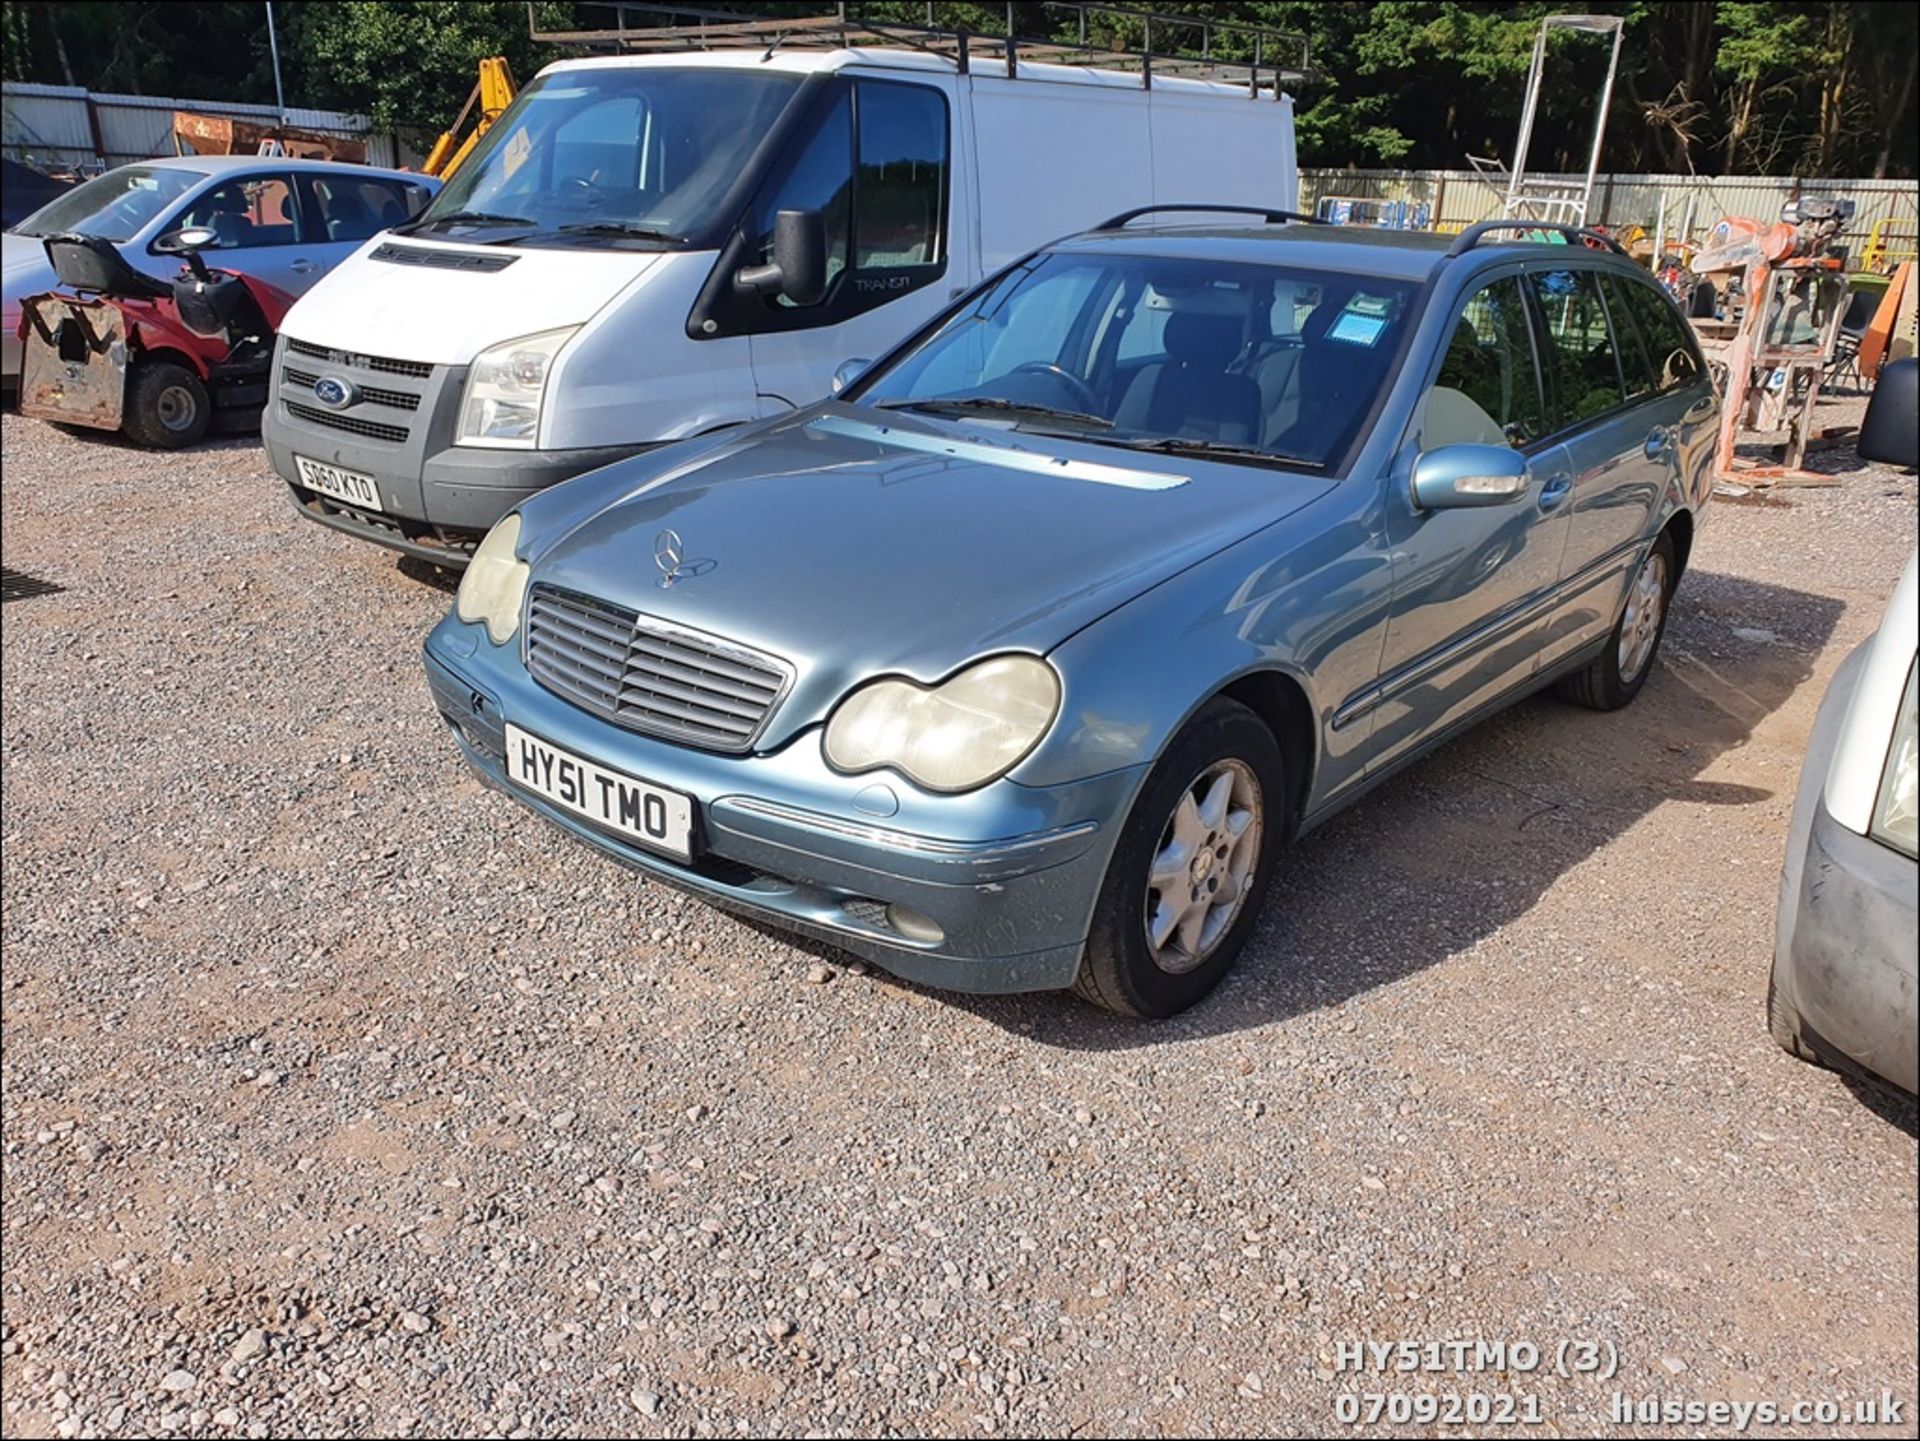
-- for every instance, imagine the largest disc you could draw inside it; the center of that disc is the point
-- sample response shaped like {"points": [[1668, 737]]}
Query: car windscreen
{"points": [[605, 155], [114, 206], [1260, 363]]}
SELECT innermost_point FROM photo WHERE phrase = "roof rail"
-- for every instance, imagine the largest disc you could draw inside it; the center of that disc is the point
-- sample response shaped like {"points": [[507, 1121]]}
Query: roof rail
{"points": [[1473, 234], [1115, 37], [1272, 217]]}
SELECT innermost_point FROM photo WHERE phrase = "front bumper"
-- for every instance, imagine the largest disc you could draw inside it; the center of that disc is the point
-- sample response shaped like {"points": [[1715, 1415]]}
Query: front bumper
{"points": [[438, 499], [1009, 873], [1845, 950]]}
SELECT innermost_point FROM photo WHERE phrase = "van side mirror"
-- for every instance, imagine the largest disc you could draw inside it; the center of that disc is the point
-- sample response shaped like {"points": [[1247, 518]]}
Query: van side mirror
{"points": [[1891, 431], [798, 268], [848, 372], [1454, 476]]}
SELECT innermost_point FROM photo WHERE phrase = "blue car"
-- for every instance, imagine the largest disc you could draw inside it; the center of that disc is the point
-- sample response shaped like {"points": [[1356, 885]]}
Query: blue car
{"points": [[1019, 663]]}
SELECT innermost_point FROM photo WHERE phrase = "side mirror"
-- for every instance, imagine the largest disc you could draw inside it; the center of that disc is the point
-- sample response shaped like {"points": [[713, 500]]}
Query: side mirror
{"points": [[798, 269], [1454, 476], [849, 371], [187, 238], [1891, 431]]}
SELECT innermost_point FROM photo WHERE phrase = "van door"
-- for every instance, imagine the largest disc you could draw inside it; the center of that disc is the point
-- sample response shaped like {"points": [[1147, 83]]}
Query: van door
{"points": [[880, 166], [1472, 586]]}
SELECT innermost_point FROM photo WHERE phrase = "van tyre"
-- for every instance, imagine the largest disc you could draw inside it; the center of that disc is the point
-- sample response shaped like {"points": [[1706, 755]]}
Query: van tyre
{"points": [[1616, 675], [1784, 1023], [1191, 868], [167, 406]]}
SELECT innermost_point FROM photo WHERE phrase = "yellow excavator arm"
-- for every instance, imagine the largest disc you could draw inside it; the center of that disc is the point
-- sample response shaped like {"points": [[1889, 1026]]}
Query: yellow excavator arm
{"points": [[493, 93]]}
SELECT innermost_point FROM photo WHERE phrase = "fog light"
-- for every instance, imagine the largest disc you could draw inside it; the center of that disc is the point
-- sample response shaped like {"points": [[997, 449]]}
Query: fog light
{"points": [[914, 926]]}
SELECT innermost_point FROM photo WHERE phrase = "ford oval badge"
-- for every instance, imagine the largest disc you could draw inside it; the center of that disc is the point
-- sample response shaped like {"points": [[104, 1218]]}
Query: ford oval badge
{"points": [[335, 392]]}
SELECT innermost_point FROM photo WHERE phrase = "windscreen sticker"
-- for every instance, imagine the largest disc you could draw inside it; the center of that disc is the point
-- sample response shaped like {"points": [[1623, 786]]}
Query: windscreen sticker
{"points": [[517, 149], [1357, 329]]}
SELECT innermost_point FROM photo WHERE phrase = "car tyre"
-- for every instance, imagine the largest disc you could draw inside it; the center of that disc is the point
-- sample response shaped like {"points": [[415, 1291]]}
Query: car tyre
{"points": [[1221, 788], [1614, 677], [167, 406]]}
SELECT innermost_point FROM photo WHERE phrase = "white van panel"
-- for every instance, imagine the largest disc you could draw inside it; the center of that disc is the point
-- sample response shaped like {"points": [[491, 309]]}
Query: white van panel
{"points": [[1054, 159], [635, 374], [1223, 153], [446, 317]]}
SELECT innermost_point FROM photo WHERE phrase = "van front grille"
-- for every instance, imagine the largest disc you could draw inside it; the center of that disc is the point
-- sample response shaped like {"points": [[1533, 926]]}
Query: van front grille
{"points": [[650, 675], [371, 394], [332, 420], [419, 370]]}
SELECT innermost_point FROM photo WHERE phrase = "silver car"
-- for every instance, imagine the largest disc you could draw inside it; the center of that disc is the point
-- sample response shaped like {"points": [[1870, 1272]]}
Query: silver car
{"points": [[1018, 664], [286, 221]]}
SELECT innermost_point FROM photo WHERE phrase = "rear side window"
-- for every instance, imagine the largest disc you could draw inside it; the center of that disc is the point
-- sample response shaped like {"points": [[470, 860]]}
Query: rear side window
{"points": [[1583, 370], [1636, 366], [900, 210], [353, 207], [1671, 348], [1488, 391]]}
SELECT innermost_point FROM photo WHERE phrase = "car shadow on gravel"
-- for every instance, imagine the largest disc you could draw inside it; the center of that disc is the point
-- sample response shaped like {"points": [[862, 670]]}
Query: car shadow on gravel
{"points": [[1467, 840]]}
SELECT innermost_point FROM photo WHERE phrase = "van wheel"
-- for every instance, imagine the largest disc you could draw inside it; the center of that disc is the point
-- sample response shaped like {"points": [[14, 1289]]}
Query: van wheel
{"points": [[1615, 676], [1191, 868], [167, 406]]}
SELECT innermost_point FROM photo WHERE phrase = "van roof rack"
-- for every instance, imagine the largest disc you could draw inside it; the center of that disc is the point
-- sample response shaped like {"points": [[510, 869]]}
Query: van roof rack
{"points": [[1272, 217], [1113, 37], [1474, 234]]}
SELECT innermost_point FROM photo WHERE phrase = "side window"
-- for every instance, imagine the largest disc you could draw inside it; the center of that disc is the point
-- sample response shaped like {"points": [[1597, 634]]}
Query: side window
{"points": [[348, 207], [1636, 368], [821, 179], [901, 212], [1580, 361], [1488, 389], [1670, 343], [243, 213]]}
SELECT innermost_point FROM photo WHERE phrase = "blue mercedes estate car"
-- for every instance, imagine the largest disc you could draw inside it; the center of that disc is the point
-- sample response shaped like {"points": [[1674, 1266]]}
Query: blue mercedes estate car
{"points": [[1019, 663]]}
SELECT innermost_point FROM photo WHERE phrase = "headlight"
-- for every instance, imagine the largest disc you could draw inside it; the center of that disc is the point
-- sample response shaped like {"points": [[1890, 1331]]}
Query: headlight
{"points": [[504, 388], [1896, 813], [955, 736], [495, 582]]}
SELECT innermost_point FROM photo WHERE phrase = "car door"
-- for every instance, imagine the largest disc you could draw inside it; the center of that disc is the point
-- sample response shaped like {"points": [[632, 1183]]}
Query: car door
{"points": [[257, 229], [1471, 586], [340, 210], [880, 167], [1609, 415]]}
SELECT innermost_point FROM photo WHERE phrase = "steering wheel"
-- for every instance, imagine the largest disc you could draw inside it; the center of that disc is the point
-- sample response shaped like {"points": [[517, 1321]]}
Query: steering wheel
{"points": [[1082, 393]]}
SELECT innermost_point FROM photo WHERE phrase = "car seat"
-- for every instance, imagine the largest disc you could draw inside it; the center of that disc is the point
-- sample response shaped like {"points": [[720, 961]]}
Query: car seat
{"points": [[1191, 393]]}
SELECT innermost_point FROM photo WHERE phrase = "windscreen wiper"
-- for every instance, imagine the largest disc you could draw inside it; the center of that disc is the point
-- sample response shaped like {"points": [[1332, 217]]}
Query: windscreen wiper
{"points": [[1219, 450], [622, 228], [466, 217], [963, 404]]}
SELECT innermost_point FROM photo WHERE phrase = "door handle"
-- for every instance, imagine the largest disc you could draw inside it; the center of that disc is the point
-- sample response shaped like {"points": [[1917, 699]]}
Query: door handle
{"points": [[302, 266], [1557, 489], [1658, 444]]}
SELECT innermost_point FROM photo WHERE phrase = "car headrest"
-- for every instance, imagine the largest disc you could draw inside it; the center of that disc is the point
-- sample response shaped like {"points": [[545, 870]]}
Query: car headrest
{"points": [[1198, 339]]}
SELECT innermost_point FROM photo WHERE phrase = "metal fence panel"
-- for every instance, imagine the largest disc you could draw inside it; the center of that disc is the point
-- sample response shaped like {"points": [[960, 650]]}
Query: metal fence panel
{"points": [[1681, 206], [49, 125]]}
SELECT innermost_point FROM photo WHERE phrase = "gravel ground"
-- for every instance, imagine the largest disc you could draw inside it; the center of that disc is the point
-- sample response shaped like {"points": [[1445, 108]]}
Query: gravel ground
{"points": [[340, 1096]]}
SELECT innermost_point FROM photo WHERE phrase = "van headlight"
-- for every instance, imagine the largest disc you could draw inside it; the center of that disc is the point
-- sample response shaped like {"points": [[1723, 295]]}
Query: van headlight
{"points": [[495, 583], [1896, 810], [970, 729], [505, 386]]}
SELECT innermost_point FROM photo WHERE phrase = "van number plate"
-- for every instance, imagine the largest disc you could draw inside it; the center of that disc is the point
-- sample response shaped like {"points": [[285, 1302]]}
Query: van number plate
{"points": [[348, 485]]}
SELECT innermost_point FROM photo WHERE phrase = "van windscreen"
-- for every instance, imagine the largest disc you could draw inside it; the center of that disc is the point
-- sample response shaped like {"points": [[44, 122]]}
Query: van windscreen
{"points": [[605, 155]]}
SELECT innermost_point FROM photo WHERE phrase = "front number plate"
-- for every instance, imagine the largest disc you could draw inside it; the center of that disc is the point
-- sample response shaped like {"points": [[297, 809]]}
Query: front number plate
{"points": [[348, 485], [659, 819]]}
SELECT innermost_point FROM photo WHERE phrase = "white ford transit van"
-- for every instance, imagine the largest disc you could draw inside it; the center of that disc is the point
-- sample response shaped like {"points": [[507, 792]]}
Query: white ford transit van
{"points": [[649, 247]]}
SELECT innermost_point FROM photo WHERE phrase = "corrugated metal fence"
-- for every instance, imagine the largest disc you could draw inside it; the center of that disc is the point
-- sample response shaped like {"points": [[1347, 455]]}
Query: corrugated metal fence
{"points": [[1689, 203], [62, 126]]}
